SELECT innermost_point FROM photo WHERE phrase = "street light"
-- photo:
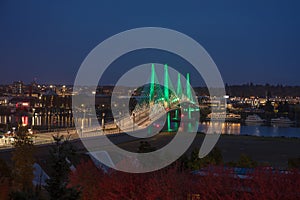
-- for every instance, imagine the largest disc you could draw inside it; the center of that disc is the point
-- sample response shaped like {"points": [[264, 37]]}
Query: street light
{"points": [[33, 116], [83, 119], [102, 122]]}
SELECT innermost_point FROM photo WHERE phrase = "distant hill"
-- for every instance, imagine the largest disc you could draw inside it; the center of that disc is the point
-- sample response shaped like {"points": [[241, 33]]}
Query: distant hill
{"points": [[247, 90]]}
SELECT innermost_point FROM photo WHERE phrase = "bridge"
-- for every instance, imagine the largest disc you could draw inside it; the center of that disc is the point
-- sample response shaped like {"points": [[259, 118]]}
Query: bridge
{"points": [[158, 104], [160, 99]]}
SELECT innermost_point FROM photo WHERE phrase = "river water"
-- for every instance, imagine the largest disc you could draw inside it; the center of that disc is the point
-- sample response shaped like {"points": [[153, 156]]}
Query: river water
{"points": [[255, 130], [227, 127]]}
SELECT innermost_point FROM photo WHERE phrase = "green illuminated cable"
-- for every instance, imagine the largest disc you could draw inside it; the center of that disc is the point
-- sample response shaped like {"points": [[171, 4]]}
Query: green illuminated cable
{"points": [[179, 88], [152, 83], [188, 87], [166, 85]]}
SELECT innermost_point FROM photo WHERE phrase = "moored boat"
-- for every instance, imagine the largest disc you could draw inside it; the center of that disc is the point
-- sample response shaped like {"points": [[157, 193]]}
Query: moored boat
{"points": [[282, 121], [254, 119]]}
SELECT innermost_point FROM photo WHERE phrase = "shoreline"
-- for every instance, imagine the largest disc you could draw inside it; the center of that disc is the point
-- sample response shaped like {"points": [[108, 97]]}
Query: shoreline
{"points": [[273, 150]]}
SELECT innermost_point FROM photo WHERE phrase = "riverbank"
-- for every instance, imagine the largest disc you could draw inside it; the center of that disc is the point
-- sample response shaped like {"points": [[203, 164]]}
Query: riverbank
{"points": [[273, 150]]}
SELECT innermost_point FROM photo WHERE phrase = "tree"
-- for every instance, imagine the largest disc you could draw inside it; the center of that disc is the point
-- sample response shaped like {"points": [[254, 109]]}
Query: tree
{"points": [[23, 161], [216, 182], [213, 158], [169, 183], [4, 169], [204, 112], [283, 108], [246, 161], [294, 163], [272, 184], [87, 179], [269, 108], [60, 166], [145, 147], [5, 180]]}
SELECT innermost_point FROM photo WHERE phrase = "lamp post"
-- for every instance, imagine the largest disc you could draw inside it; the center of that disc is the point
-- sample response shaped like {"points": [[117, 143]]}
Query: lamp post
{"points": [[33, 117], [102, 122], [103, 116], [82, 119], [49, 119], [13, 129]]}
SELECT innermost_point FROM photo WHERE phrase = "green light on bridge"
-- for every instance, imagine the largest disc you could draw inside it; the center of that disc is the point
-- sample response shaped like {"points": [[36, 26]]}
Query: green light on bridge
{"points": [[166, 86], [152, 81]]}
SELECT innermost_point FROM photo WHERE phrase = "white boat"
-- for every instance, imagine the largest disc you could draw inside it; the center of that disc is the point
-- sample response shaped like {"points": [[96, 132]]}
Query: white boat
{"points": [[224, 116], [282, 121], [217, 115], [254, 119]]}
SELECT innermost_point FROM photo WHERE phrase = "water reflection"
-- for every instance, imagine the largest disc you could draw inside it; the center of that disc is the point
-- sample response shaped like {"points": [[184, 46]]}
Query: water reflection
{"points": [[188, 127], [255, 130], [47, 120], [227, 128], [53, 121]]}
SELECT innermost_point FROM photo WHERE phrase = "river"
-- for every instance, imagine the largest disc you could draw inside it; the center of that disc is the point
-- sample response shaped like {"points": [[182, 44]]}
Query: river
{"points": [[255, 130]]}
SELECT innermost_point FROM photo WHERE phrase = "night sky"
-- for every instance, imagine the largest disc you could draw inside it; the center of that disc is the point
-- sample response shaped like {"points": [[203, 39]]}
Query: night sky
{"points": [[250, 41]]}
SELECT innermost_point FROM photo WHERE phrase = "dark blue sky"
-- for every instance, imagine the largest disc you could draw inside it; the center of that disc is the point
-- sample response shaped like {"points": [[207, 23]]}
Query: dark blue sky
{"points": [[251, 41]]}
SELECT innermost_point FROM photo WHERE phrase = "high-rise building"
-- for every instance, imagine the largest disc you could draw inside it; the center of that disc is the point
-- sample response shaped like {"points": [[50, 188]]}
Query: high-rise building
{"points": [[17, 87]]}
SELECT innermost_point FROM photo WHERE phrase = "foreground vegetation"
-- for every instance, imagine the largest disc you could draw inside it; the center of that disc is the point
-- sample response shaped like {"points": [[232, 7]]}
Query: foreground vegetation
{"points": [[189, 178]]}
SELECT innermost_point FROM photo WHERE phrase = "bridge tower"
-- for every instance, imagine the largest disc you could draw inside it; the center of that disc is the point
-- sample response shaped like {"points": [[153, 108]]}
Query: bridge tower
{"points": [[178, 93], [166, 87], [188, 88], [152, 84], [179, 88], [189, 93]]}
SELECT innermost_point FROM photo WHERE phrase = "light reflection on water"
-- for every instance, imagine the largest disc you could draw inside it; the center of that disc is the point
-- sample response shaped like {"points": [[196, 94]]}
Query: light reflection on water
{"points": [[227, 127], [255, 130], [44, 120]]}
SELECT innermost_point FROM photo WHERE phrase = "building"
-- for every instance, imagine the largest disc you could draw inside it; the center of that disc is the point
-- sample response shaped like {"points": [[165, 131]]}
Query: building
{"points": [[17, 87]]}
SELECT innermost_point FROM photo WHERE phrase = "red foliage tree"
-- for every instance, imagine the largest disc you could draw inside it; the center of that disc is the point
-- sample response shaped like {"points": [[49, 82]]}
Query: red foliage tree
{"points": [[164, 184], [273, 184], [4, 188], [171, 183], [88, 179]]}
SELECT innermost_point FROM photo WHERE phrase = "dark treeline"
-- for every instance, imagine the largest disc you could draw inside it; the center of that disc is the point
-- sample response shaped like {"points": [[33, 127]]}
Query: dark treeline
{"points": [[251, 89], [244, 90]]}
